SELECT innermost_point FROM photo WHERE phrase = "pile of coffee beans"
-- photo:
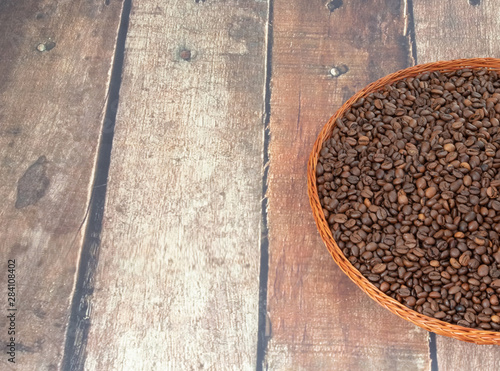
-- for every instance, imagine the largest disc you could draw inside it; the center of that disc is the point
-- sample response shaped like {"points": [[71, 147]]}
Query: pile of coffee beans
{"points": [[409, 184]]}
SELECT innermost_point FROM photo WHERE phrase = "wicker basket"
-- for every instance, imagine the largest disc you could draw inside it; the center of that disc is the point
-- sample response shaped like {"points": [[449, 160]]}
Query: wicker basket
{"points": [[428, 323]]}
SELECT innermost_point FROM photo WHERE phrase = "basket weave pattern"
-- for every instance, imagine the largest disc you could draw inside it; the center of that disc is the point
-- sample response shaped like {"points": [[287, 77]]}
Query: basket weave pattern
{"points": [[472, 335]]}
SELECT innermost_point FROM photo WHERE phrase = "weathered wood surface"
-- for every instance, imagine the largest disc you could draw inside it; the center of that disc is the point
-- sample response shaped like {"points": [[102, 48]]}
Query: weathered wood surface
{"points": [[320, 319], [177, 283], [51, 111], [449, 30], [455, 29]]}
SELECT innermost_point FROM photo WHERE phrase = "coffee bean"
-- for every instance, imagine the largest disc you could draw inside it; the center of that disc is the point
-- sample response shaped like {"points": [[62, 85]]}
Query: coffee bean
{"points": [[404, 292], [435, 276], [356, 238], [495, 284], [473, 226], [434, 263], [439, 315], [484, 318], [351, 141], [386, 165], [373, 277], [463, 323], [454, 263], [474, 282], [381, 213], [411, 149], [464, 259], [449, 147], [483, 270], [339, 218], [410, 301], [467, 180], [470, 317], [470, 216], [363, 140], [384, 286], [355, 214], [409, 184], [430, 192], [494, 300], [379, 268], [366, 193], [402, 198], [455, 186]]}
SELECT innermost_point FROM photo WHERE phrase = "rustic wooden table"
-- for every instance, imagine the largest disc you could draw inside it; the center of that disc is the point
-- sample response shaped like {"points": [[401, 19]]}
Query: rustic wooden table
{"points": [[153, 178]]}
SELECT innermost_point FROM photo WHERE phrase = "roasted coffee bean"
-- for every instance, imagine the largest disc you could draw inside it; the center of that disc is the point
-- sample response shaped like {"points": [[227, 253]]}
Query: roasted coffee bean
{"points": [[434, 276], [410, 301], [483, 270], [494, 300], [339, 218], [470, 317], [439, 315], [430, 192], [363, 140], [404, 292], [379, 268], [409, 184], [384, 286]]}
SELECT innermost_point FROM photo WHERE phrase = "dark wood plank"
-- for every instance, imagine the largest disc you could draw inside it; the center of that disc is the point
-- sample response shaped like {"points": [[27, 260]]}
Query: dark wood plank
{"points": [[54, 75], [177, 286], [320, 320], [449, 30]]}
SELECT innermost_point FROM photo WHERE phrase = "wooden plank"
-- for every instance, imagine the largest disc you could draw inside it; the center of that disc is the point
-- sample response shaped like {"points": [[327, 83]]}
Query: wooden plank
{"points": [[177, 284], [320, 320], [449, 30], [54, 74], [455, 29]]}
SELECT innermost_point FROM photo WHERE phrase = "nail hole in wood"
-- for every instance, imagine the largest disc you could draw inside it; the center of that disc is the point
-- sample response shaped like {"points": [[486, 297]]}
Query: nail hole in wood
{"points": [[334, 5], [185, 54], [341, 69], [45, 47], [49, 45]]}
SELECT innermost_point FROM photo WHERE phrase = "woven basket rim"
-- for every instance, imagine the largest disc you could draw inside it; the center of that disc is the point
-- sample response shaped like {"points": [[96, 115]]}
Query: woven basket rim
{"points": [[430, 324]]}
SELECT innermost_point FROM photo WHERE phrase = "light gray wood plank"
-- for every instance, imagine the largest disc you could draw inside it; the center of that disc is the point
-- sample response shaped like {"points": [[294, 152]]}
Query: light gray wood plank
{"points": [[177, 285]]}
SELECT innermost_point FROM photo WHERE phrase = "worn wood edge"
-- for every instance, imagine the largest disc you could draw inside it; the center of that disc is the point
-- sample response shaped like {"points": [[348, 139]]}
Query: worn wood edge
{"points": [[264, 325], [79, 323]]}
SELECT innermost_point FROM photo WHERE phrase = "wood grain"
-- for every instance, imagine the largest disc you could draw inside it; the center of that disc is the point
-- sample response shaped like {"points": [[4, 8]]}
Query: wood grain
{"points": [[177, 285], [51, 114], [454, 29], [320, 319], [449, 30]]}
